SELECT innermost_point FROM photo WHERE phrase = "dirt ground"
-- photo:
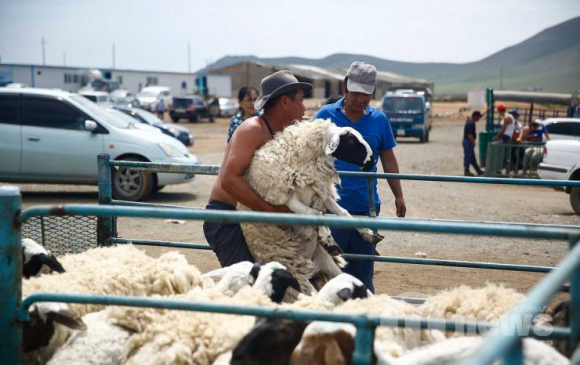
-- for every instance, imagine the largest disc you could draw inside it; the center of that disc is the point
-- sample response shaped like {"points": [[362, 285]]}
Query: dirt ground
{"points": [[425, 200]]}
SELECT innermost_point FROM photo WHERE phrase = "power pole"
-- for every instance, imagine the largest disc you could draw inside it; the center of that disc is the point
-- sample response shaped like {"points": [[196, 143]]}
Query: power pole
{"points": [[43, 43], [113, 55], [501, 77], [188, 57]]}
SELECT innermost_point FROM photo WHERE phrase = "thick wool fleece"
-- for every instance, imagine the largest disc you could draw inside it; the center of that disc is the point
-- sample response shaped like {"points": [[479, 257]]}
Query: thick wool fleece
{"points": [[294, 159], [120, 270], [488, 304], [185, 337], [393, 340]]}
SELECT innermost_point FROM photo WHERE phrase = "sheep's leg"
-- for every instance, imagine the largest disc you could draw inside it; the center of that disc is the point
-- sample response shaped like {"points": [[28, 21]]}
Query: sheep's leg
{"points": [[327, 265], [368, 234], [298, 207]]}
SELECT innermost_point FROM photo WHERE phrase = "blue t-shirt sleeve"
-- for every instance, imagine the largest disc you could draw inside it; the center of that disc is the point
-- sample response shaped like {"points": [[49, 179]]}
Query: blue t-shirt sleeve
{"points": [[322, 113], [387, 138]]}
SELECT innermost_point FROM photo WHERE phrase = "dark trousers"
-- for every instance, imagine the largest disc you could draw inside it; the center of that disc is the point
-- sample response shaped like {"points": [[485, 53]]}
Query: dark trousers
{"points": [[226, 239], [351, 241], [469, 155], [160, 115]]}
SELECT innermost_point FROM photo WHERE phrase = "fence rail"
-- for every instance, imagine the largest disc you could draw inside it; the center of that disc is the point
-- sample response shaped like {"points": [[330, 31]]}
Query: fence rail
{"points": [[500, 345]]}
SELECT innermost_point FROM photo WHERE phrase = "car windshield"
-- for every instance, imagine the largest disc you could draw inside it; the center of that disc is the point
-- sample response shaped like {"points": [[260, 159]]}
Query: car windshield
{"points": [[148, 94], [101, 113], [149, 118], [403, 105]]}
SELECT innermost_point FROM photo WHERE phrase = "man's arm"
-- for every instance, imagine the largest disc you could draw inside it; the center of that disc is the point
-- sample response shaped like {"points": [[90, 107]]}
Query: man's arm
{"points": [[390, 164], [248, 140], [471, 139]]}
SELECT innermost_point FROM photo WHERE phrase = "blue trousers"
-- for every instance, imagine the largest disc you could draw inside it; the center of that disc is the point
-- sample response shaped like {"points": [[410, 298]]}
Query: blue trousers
{"points": [[352, 242], [469, 155]]}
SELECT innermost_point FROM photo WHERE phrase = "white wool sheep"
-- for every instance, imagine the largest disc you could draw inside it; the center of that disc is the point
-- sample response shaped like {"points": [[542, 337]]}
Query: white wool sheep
{"points": [[184, 337], [488, 304], [452, 350], [342, 288], [120, 270], [394, 340], [37, 260], [49, 326], [232, 278], [101, 344], [296, 169]]}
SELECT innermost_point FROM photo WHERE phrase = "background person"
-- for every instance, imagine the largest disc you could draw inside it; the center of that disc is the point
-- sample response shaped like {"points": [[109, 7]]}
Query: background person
{"points": [[508, 126], [353, 110], [469, 137], [160, 108], [282, 100], [247, 95]]}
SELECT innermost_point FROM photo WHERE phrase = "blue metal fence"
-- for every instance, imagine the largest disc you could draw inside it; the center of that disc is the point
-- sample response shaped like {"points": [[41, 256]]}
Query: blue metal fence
{"points": [[11, 311], [504, 340]]}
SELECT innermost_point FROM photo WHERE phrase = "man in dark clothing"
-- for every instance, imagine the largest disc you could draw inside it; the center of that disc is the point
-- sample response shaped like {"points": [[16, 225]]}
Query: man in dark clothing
{"points": [[469, 136]]}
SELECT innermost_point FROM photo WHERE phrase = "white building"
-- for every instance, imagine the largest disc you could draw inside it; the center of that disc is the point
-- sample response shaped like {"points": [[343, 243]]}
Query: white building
{"points": [[70, 78]]}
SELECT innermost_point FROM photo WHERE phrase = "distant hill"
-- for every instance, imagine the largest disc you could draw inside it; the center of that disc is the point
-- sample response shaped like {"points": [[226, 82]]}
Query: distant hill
{"points": [[549, 60]]}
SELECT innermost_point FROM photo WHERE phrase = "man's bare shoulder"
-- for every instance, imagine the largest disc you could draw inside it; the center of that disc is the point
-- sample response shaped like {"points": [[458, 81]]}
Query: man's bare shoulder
{"points": [[250, 124]]}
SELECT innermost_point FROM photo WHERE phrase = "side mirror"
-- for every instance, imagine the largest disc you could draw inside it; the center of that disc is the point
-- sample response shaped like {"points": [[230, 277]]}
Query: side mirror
{"points": [[91, 125]]}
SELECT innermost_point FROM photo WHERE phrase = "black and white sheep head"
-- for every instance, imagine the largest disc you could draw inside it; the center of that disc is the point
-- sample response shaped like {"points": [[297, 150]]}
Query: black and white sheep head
{"points": [[273, 279], [342, 288], [348, 145], [37, 260], [46, 321]]}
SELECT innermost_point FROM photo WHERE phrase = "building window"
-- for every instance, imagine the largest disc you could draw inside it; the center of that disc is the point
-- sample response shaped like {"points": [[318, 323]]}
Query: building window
{"points": [[71, 79], [66, 78], [76, 79], [120, 79], [151, 81]]}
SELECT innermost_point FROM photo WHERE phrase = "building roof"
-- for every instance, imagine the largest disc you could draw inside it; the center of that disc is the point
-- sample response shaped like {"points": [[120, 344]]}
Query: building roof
{"points": [[86, 68], [532, 96]]}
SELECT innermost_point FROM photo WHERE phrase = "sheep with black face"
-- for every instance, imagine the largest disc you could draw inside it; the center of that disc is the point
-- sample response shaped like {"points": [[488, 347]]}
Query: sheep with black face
{"points": [[296, 169], [37, 260]]}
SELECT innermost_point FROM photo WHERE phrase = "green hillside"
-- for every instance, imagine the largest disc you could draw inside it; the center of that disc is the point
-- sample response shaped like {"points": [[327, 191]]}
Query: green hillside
{"points": [[550, 60]]}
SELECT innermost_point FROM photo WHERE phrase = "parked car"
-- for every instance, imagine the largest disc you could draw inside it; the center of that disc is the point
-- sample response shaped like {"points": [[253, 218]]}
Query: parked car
{"points": [[49, 136], [192, 108], [149, 96], [16, 85], [228, 108], [563, 128], [181, 133], [562, 162], [124, 98], [99, 97]]}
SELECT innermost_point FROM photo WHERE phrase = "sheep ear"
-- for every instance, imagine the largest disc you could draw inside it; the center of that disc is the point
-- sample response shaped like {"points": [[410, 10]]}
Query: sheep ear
{"points": [[67, 319], [332, 138], [52, 262], [344, 294]]}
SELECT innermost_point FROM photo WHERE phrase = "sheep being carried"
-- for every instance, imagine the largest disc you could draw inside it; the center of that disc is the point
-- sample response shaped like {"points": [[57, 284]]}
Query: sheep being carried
{"points": [[296, 169]]}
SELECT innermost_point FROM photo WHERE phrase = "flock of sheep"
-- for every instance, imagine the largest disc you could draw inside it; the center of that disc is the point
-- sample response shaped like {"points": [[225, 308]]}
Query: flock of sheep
{"points": [[93, 334], [301, 271]]}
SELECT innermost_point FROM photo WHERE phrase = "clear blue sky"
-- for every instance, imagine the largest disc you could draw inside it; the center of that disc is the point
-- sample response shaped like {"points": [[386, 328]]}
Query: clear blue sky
{"points": [[153, 35]]}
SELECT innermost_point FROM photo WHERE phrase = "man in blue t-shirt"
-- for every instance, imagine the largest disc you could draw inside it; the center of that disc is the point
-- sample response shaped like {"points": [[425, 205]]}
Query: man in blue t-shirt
{"points": [[354, 111]]}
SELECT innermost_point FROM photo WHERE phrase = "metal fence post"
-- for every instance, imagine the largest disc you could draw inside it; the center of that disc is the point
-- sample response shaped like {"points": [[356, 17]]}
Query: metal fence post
{"points": [[10, 276], [516, 355], [574, 304], [364, 342], [104, 224]]}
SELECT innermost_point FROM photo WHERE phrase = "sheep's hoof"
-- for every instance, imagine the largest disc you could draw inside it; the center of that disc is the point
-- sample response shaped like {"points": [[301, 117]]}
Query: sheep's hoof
{"points": [[371, 236], [334, 250], [339, 261]]}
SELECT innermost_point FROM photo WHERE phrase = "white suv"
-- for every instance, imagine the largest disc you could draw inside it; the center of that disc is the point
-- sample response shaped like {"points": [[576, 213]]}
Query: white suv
{"points": [[562, 162], [49, 136], [149, 96]]}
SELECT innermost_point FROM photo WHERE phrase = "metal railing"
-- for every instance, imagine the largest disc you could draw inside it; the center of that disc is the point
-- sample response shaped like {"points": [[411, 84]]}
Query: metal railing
{"points": [[514, 159], [505, 341]]}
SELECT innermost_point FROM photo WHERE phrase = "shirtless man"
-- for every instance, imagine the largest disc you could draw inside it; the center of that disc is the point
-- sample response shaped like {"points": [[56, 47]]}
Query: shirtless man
{"points": [[282, 104]]}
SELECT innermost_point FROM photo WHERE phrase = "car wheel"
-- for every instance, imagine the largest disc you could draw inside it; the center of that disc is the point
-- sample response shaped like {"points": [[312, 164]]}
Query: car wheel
{"points": [[575, 199], [130, 184], [175, 120], [422, 137], [194, 118]]}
